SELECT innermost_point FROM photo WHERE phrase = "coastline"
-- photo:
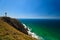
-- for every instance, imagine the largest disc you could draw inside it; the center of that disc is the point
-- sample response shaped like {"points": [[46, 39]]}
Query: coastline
{"points": [[34, 35]]}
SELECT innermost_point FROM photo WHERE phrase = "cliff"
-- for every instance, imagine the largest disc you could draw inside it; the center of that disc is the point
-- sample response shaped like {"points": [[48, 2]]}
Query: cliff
{"points": [[12, 29], [15, 23]]}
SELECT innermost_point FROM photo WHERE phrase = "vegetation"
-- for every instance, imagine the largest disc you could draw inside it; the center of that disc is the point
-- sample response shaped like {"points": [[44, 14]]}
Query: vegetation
{"points": [[8, 32]]}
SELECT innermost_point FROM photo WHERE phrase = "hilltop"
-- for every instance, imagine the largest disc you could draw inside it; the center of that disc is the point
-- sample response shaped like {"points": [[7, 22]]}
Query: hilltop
{"points": [[12, 29], [15, 23]]}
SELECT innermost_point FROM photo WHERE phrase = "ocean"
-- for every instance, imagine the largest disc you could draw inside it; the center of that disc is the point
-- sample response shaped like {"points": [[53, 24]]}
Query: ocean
{"points": [[45, 29]]}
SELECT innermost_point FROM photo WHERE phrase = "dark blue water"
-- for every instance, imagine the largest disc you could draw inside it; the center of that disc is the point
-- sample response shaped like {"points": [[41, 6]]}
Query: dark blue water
{"points": [[49, 29]]}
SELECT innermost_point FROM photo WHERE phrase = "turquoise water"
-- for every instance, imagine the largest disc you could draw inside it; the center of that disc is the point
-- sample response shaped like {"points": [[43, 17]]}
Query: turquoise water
{"points": [[49, 29]]}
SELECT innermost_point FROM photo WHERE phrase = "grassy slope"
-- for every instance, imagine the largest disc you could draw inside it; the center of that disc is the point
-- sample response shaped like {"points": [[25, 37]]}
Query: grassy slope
{"points": [[7, 32]]}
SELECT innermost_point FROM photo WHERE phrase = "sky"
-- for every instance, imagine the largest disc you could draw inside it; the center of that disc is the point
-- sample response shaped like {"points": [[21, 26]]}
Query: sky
{"points": [[30, 8]]}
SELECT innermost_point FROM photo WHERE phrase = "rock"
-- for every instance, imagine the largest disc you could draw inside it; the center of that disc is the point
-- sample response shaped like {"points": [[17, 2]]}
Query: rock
{"points": [[15, 23]]}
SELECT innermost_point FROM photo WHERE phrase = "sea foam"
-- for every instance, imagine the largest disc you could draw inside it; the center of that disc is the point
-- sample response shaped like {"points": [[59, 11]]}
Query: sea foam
{"points": [[32, 33]]}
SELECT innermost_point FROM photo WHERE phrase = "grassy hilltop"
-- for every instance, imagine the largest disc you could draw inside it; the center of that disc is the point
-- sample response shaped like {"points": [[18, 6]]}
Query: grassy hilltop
{"points": [[8, 32]]}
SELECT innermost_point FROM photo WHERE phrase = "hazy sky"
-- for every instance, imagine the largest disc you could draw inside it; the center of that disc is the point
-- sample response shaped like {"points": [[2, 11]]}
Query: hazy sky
{"points": [[31, 8]]}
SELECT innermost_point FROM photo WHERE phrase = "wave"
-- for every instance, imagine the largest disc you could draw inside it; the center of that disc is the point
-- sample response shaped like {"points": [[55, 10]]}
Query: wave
{"points": [[34, 35]]}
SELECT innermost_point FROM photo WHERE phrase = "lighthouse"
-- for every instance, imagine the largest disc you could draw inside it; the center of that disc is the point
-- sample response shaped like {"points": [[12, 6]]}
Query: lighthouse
{"points": [[5, 14]]}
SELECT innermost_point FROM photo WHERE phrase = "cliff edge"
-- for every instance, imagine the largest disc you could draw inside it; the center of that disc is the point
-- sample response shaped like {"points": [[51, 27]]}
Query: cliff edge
{"points": [[12, 29]]}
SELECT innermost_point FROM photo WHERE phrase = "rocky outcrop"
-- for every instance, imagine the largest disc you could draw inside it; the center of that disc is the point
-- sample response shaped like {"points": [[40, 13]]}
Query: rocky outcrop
{"points": [[8, 32], [15, 23]]}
